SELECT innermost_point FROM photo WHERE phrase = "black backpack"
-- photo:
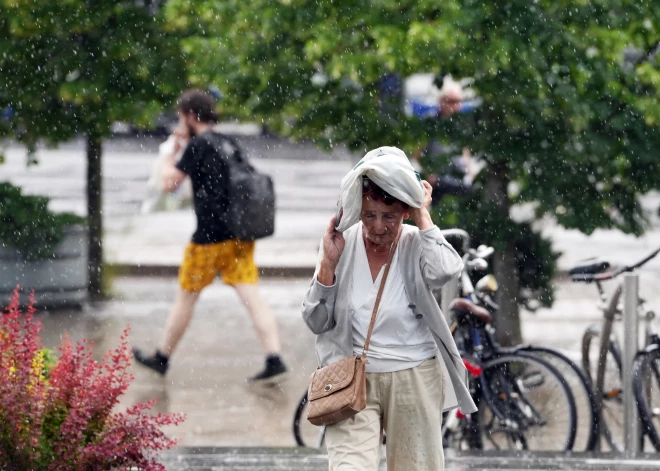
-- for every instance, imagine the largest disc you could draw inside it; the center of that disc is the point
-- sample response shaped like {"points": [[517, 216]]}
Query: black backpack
{"points": [[251, 196]]}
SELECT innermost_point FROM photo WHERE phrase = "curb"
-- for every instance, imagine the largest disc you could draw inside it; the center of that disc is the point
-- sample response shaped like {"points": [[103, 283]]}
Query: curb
{"points": [[173, 271], [123, 269]]}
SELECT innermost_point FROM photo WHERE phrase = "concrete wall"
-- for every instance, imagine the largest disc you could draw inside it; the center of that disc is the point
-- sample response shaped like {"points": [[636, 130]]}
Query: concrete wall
{"points": [[59, 281]]}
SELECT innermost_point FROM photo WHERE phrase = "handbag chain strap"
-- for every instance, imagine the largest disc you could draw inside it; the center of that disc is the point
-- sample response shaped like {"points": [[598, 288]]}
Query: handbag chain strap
{"points": [[380, 294]]}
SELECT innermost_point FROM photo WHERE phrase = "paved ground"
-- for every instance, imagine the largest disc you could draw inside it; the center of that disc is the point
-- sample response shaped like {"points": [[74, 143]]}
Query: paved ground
{"points": [[206, 379]]}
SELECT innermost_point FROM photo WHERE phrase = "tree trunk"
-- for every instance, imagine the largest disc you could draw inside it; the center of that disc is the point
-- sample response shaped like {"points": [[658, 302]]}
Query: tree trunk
{"points": [[505, 267], [95, 215]]}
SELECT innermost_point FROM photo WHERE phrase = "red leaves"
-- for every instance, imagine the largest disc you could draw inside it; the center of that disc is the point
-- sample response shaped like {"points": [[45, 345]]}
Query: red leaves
{"points": [[21, 390], [66, 421]]}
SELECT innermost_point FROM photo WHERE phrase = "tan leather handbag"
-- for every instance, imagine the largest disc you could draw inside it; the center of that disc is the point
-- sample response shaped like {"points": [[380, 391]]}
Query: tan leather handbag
{"points": [[339, 391]]}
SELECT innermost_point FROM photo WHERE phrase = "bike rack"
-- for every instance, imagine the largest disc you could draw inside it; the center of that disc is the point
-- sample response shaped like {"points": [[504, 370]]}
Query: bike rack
{"points": [[630, 349]]}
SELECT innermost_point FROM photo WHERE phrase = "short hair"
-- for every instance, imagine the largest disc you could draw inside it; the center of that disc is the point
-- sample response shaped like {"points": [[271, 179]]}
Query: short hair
{"points": [[378, 194], [200, 103]]}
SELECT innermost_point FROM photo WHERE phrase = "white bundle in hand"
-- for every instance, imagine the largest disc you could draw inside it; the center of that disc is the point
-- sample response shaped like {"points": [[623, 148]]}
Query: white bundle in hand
{"points": [[156, 199], [390, 169]]}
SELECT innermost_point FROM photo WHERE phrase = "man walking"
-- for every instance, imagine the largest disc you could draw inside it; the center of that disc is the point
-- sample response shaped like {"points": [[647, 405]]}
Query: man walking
{"points": [[213, 249]]}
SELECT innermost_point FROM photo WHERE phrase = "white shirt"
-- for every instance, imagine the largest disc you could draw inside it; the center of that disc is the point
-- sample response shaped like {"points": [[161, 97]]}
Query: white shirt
{"points": [[399, 340]]}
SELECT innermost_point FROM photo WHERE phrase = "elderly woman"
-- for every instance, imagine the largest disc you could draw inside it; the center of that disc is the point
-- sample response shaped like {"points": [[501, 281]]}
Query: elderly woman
{"points": [[414, 370]]}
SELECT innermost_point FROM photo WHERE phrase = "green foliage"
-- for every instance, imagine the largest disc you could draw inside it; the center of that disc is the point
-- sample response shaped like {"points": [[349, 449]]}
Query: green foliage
{"points": [[575, 126], [566, 118], [28, 225], [77, 66], [49, 360]]}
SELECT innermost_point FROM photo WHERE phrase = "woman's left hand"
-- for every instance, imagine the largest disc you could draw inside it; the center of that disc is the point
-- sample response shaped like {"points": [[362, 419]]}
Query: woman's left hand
{"points": [[428, 191], [421, 216]]}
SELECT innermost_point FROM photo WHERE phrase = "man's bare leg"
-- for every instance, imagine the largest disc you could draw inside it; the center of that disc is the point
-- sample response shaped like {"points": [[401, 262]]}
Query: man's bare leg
{"points": [[262, 317], [178, 320], [176, 325], [265, 325]]}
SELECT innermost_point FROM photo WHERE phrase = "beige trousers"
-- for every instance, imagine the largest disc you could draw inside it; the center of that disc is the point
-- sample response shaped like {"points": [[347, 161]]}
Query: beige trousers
{"points": [[408, 406]]}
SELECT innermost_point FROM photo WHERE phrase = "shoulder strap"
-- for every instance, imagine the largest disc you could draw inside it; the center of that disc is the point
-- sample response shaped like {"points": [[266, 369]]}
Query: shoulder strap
{"points": [[237, 155], [380, 294]]}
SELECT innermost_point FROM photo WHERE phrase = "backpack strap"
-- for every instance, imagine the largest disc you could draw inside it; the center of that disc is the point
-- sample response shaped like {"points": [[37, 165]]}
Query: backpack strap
{"points": [[237, 155]]}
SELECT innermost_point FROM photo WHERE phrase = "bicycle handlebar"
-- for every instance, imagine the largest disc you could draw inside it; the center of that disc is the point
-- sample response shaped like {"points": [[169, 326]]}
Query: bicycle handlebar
{"points": [[589, 277], [461, 234], [638, 264]]}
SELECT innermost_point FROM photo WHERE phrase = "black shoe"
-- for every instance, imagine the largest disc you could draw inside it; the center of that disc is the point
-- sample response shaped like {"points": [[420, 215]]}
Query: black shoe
{"points": [[156, 362], [273, 372]]}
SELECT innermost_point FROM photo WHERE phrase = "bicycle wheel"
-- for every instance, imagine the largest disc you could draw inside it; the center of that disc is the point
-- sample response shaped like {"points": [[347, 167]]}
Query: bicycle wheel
{"points": [[585, 401], [646, 381], [304, 433], [462, 432], [612, 409], [530, 406]]}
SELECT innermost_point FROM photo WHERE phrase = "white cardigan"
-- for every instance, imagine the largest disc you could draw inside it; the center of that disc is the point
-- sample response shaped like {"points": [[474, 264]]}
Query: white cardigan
{"points": [[399, 340], [428, 261]]}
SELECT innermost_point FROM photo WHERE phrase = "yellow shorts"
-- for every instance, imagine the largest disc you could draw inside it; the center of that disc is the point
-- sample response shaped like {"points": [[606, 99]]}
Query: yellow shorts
{"points": [[234, 259]]}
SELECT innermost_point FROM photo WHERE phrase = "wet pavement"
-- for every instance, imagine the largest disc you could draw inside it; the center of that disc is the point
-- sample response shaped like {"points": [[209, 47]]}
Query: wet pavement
{"points": [[220, 349], [206, 379]]}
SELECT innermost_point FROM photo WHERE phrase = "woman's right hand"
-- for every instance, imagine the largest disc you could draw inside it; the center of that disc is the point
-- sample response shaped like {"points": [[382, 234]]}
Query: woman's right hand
{"points": [[333, 246]]}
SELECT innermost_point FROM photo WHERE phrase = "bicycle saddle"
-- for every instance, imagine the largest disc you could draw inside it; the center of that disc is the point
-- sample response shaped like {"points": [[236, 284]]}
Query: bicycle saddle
{"points": [[464, 306], [590, 266]]}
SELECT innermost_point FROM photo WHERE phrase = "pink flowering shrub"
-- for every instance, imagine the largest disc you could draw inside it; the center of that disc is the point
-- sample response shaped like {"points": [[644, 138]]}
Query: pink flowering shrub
{"points": [[64, 420]]}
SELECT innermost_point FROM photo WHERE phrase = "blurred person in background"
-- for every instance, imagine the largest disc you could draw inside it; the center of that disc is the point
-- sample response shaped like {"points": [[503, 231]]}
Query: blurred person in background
{"points": [[212, 250], [458, 173]]}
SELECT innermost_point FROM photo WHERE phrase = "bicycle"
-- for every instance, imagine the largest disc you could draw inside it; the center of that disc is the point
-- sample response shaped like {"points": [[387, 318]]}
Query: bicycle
{"points": [[603, 364], [310, 432], [482, 294], [521, 397], [646, 383]]}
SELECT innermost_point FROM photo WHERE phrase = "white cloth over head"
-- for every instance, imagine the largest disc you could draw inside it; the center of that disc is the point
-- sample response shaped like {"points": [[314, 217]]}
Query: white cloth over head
{"points": [[390, 169]]}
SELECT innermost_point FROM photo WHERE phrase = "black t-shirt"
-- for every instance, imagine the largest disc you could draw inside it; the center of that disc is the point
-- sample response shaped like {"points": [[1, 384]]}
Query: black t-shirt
{"points": [[206, 163]]}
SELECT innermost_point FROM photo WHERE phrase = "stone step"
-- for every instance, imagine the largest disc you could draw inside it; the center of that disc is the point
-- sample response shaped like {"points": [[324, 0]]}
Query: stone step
{"points": [[241, 459], [302, 459]]}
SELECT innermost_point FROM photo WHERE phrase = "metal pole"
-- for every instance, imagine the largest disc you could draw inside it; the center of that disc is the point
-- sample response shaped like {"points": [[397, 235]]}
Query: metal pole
{"points": [[630, 348], [605, 337]]}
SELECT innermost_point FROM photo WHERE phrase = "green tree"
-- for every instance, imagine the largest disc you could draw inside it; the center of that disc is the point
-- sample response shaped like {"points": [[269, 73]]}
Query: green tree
{"points": [[566, 121], [75, 67]]}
